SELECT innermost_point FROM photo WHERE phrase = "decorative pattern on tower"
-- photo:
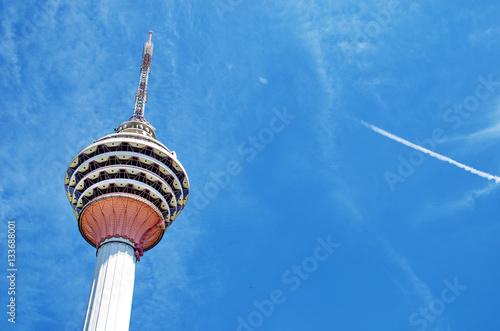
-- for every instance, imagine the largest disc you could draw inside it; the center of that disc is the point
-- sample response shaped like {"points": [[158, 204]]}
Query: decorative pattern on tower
{"points": [[128, 184]]}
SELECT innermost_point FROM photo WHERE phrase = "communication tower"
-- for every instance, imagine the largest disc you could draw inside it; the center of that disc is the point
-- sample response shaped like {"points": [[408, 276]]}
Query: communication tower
{"points": [[125, 189]]}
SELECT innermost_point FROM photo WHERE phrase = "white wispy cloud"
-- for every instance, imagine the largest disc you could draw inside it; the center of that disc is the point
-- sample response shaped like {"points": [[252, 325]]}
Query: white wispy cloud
{"points": [[489, 133], [433, 210], [410, 283], [484, 37]]}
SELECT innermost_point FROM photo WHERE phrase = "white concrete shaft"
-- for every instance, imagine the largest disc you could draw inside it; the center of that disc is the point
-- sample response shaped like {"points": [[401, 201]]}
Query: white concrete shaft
{"points": [[110, 300]]}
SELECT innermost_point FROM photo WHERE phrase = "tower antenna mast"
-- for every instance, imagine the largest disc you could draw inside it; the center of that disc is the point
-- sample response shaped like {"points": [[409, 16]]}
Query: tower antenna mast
{"points": [[141, 97]]}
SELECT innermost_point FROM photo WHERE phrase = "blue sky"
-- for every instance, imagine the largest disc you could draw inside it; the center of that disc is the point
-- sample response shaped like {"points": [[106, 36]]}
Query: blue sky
{"points": [[299, 217]]}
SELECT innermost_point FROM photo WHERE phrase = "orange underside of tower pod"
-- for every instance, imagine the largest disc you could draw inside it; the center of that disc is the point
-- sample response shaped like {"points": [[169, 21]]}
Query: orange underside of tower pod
{"points": [[125, 217]]}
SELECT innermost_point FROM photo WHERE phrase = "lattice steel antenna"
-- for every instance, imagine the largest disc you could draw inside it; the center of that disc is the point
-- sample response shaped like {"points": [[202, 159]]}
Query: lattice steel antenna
{"points": [[141, 97]]}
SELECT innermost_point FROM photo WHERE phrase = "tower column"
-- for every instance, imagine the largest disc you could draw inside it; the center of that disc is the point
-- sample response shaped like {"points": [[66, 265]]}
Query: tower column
{"points": [[110, 300]]}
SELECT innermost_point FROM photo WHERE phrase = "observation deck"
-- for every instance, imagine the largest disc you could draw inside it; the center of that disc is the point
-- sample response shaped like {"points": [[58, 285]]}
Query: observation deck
{"points": [[128, 185]]}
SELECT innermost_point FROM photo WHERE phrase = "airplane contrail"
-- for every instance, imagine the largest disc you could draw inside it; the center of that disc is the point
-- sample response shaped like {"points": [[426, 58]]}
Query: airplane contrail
{"points": [[431, 153]]}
